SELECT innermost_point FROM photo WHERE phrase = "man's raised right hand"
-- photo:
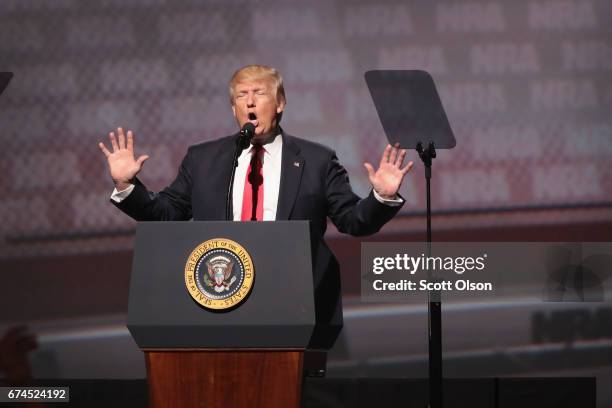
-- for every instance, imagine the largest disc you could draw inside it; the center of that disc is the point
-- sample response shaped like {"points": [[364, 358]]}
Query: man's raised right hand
{"points": [[122, 164]]}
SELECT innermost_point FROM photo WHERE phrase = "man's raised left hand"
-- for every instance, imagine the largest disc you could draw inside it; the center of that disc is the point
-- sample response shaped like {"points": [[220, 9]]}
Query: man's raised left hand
{"points": [[387, 179]]}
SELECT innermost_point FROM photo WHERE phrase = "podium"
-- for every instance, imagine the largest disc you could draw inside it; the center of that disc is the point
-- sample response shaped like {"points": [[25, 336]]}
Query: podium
{"points": [[243, 350]]}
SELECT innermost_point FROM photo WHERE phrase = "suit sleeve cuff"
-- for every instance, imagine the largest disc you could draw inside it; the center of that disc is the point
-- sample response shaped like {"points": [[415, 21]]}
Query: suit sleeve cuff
{"points": [[393, 202], [119, 196]]}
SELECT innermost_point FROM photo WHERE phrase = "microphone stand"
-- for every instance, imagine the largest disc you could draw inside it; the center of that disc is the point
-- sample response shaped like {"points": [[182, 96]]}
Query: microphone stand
{"points": [[242, 142]]}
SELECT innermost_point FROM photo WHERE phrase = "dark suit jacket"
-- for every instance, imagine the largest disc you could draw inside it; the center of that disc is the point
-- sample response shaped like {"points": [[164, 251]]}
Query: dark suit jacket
{"points": [[315, 189]]}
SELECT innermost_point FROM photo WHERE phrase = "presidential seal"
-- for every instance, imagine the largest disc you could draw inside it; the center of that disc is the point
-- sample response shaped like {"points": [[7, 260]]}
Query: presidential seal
{"points": [[219, 274]]}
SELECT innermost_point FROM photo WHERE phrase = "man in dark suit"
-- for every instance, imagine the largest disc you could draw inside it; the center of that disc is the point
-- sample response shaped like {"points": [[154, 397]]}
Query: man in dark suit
{"points": [[278, 177]]}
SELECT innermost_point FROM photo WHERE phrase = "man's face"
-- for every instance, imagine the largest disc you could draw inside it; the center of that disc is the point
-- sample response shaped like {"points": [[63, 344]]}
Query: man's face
{"points": [[255, 102]]}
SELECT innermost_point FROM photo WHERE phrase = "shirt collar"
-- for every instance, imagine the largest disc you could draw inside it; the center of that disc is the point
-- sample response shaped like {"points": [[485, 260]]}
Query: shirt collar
{"points": [[273, 146]]}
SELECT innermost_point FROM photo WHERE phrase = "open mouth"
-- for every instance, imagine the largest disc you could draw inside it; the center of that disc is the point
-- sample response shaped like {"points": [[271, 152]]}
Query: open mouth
{"points": [[253, 118]]}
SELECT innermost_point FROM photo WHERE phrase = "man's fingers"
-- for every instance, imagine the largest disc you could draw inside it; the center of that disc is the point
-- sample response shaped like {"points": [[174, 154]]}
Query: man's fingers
{"points": [[400, 157], [113, 141], [369, 168], [407, 168], [393, 154], [385, 156], [104, 149], [142, 159], [121, 138], [130, 141]]}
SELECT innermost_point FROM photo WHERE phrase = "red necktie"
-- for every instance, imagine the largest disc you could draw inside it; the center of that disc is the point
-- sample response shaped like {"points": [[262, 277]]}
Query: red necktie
{"points": [[252, 198]]}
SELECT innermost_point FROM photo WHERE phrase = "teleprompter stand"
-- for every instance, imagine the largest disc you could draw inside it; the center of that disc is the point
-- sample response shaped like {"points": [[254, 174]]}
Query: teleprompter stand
{"points": [[412, 115], [250, 355]]}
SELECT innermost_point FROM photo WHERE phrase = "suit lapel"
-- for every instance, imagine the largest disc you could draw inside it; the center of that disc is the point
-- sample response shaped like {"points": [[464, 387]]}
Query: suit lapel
{"points": [[292, 167]]}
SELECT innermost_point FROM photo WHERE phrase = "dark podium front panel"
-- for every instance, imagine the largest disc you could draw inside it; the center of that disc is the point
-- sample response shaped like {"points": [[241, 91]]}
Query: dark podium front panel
{"points": [[278, 313]]}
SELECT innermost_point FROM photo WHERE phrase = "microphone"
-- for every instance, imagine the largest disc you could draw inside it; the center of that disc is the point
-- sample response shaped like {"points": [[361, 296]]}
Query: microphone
{"points": [[247, 132]]}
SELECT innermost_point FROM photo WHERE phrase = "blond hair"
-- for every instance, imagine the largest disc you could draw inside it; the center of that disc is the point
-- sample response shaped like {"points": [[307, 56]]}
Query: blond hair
{"points": [[258, 73]]}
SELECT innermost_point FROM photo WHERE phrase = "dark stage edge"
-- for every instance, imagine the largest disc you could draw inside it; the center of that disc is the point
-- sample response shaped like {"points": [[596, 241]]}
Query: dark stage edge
{"points": [[369, 392]]}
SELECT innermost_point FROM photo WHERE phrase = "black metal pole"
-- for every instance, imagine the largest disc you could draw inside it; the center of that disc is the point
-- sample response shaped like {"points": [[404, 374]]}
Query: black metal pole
{"points": [[242, 143], [434, 310]]}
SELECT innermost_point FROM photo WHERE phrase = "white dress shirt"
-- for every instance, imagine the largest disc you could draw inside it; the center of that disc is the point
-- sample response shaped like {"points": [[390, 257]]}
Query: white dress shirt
{"points": [[272, 161]]}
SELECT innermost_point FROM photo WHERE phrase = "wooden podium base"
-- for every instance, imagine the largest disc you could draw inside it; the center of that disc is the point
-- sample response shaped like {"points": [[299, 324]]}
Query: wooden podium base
{"points": [[224, 378]]}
